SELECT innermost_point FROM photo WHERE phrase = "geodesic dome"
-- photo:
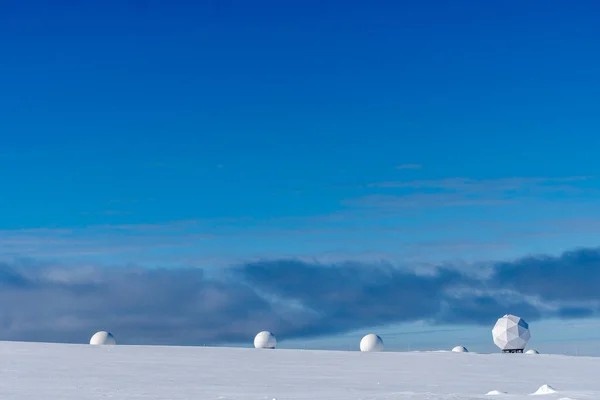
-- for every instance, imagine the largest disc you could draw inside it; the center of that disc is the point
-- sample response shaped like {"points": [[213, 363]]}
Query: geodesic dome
{"points": [[532, 351], [371, 342], [460, 349], [265, 340], [511, 333], [103, 338]]}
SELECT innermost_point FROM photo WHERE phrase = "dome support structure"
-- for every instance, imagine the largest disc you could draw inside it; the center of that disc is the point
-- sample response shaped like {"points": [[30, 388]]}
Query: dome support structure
{"points": [[512, 351]]}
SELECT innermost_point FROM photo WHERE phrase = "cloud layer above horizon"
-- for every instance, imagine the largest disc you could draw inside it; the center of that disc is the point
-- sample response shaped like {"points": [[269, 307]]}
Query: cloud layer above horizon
{"points": [[295, 299]]}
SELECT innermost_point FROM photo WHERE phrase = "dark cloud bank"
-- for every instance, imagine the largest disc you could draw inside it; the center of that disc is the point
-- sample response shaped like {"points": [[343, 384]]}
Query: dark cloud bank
{"points": [[292, 298]]}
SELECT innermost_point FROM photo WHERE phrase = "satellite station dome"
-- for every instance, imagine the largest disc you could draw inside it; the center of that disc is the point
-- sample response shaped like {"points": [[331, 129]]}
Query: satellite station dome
{"points": [[532, 351], [102, 338], [265, 340], [460, 349], [511, 334], [371, 342]]}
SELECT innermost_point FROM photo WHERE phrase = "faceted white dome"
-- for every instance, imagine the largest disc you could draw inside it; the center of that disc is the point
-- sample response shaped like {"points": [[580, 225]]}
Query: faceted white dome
{"points": [[532, 351], [460, 349], [511, 333], [265, 340], [371, 342], [103, 337]]}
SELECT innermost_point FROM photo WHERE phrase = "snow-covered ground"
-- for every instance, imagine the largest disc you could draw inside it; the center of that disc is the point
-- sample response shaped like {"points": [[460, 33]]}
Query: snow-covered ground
{"points": [[36, 371]]}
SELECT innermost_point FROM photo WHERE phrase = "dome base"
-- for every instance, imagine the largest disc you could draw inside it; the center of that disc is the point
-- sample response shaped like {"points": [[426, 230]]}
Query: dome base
{"points": [[513, 351]]}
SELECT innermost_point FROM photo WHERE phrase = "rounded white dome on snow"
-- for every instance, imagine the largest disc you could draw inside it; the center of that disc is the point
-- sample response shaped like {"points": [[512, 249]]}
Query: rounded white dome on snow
{"points": [[460, 349], [265, 340], [103, 338], [371, 342], [532, 351], [511, 333]]}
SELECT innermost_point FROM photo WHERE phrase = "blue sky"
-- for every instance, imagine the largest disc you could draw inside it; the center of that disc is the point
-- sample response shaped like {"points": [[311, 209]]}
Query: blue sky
{"points": [[216, 135]]}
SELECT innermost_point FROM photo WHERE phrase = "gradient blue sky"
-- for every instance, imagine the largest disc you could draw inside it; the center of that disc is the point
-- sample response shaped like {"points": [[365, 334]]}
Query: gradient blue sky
{"points": [[210, 135]]}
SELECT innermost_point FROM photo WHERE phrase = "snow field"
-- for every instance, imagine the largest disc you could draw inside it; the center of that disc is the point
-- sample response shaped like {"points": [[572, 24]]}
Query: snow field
{"points": [[34, 371]]}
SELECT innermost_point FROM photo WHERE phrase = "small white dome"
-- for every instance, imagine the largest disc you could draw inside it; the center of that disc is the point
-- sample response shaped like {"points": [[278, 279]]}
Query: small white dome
{"points": [[371, 342], [265, 340], [103, 337], [532, 351], [460, 349]]}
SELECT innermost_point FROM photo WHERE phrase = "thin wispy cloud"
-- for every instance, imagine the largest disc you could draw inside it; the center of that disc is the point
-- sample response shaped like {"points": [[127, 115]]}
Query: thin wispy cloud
{"points": [[107, 212], [201, 242], [424, 200], [193, 244], [295, 299], [469, 192], [500, 184], [409, 166], [379, 219]]}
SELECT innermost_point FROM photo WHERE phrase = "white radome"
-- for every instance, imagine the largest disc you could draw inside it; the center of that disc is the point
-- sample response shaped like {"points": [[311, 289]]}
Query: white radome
{"points": [[103, 338], [265, 340], [532, 351], [511, 333], [371, 343], [460, 349]]}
